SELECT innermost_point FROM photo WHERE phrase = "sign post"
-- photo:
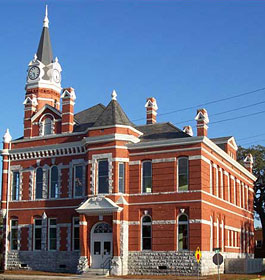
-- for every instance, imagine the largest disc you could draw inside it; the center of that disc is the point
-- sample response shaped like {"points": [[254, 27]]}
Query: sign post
{"points": [[198, 256], [218, 259]]}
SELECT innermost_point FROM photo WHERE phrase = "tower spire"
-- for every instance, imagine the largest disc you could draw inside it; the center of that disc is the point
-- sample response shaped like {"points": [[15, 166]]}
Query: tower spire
{"points": [[44, 53], [46, 20]]}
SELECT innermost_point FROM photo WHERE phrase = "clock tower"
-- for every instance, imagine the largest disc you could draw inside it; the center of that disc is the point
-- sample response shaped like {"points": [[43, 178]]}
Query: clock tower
{"points": [[43, 85]]}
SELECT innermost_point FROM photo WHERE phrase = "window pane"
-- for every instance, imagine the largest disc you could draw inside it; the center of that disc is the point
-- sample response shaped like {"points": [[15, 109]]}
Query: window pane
{"points": [[147, 176], [76, 244], [52, 221], [47, 129], [15, 186], [79, 180], [52, 244], [146, 219], [121, 177], [146, 231], [147, 244], [107, 248], [54, 182], [38, 222], [103, 176], [39, 183], [103, 168], [96, 248], [183, 237], [183, 179], [14, 223], [147, 168], [37, 233]]}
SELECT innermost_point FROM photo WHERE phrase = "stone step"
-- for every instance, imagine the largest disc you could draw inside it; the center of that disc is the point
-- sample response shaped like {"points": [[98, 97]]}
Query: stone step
{"points": [[96, 272]]}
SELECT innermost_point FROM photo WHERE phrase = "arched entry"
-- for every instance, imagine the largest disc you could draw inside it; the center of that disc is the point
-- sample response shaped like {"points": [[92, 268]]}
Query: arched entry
{"points": [[101, 244]]}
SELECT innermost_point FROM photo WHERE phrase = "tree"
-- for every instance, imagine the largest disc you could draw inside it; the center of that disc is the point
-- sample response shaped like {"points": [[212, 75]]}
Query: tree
{"points": [[258, 153]]}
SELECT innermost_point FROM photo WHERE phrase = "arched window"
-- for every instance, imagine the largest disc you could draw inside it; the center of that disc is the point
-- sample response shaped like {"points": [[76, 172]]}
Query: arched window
{"points": [[147, 177], [47, 126], [39, 183], [146, 233], [54, 188], [183, 174], [183, 232], [103, 228]]}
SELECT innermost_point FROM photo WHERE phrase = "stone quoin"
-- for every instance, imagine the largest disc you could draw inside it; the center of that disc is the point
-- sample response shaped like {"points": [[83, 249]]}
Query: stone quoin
{"points": [[86, 189]]}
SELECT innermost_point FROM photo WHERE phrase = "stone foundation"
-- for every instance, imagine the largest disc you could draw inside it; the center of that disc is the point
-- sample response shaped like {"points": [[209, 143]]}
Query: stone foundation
{"points": [[162, 263], [58, 261]]}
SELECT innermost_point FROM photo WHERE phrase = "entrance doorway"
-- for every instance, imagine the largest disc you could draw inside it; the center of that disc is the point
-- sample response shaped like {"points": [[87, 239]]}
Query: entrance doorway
{"points": [[101, 244]]}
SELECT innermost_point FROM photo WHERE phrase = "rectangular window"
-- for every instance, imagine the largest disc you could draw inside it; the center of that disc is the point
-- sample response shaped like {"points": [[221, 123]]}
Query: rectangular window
{"points": [[37, 234], [76, 245], [147, 177], [52, 234], [183, 174], [103, 176], [121, 177], [14, 235], [15, 185], [78, 181]]}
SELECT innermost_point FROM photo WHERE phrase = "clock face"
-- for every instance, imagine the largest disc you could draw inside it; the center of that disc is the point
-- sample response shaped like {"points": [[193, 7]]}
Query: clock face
{"points": [[34, 72], [56, 76]]}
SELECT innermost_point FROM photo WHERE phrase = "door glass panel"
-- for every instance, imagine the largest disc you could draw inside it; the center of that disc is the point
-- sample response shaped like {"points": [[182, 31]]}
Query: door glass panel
{"points": [[97, 248], [107, 248]]}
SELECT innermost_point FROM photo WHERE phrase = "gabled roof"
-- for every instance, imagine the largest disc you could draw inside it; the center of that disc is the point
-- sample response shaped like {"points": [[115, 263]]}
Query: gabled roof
{"points": [[46, 106], [113, 114], [98, 205], [44, 53], [221, 141], [160, 131]]}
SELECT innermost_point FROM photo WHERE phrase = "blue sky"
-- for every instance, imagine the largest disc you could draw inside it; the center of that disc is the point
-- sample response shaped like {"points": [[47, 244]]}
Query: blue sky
{"points": [[184, 53]]}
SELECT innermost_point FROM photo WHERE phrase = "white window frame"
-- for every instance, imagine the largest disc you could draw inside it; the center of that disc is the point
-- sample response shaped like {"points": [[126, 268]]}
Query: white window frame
{"points": [[142, 176], [217, 181], [228, 188], [19, 182], [151, 225], [123, 178], [34, 237], [188, 231], [217, 233], [73, 233], [11, 237], [211, 233], [178, 159], [211, 178], [51, 227], [98, 161], [50, 183], [83, 180]]}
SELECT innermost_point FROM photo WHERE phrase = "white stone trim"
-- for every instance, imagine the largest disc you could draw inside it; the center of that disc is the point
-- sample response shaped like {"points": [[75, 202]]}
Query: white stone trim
{"points": [[161, 160], [82, 223], [135, 162], [201, 157], [164, 222], [133, 223]]}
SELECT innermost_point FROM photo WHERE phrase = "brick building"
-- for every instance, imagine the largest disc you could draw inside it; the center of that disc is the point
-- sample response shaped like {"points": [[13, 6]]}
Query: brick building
{"points": [[84, 189]]}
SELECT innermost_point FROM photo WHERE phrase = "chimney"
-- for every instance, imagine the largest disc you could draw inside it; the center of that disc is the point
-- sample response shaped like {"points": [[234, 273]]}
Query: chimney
{"points": [[188, 129], [68, 98], [151, 108], [30, 107], [248, 162], [202, 121]]}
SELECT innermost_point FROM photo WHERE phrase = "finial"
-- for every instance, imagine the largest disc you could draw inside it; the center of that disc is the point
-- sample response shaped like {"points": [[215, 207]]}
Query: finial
{"points": [[46, 20], [56, 59], [114, 95], [35, 58], [7, 137]]}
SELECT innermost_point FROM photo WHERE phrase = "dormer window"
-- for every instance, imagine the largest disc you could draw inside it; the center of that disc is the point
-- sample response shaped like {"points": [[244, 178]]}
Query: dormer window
{"points": [[47, 127]]}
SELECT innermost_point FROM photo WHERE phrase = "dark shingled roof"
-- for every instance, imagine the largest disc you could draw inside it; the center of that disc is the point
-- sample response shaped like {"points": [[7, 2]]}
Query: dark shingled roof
{"points": [[113, 114], [160, 131], [44, 53], [87, 118]]}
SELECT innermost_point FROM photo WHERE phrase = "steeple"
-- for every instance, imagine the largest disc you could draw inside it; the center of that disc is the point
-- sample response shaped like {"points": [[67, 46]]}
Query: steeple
{"points": [[44, 73], [44, 53]]}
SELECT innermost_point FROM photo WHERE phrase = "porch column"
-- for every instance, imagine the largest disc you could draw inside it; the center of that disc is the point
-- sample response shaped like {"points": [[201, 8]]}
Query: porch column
{"points": [[83, 260], [116, 261]]}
